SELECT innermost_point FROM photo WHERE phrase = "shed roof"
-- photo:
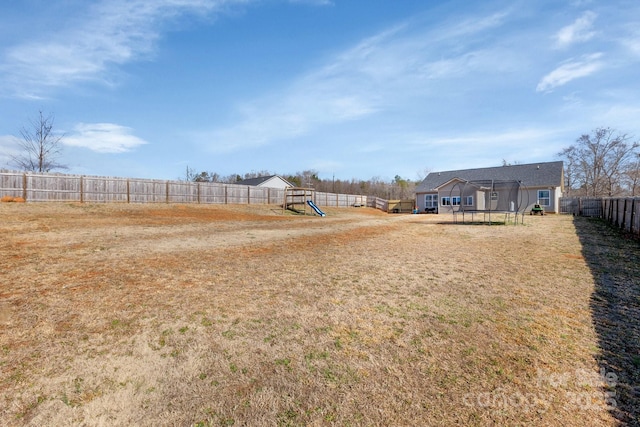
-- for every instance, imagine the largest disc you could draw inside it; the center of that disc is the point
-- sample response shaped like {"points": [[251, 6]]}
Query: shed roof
{"points": [[546, 174]]}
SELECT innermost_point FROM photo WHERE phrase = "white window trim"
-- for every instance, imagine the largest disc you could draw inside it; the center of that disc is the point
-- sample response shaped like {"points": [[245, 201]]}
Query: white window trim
{"points": [[431, 201], [548, 198]]}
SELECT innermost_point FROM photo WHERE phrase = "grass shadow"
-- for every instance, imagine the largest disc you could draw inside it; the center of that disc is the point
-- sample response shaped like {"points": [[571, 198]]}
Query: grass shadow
{"points": [[614, 261]]}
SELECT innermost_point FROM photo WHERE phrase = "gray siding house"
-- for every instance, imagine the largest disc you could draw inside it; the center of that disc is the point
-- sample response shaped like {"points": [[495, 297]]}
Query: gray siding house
{"points": [[271, 181], [492, 188]]}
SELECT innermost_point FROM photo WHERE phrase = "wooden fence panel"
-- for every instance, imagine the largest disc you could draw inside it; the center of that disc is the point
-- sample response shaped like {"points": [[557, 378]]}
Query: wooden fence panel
{"points": [[11, 184], [47, 188], [212, 193], [583, 206], [183, 192], [104, 190], [237, 194], [620, 212], [326, 199], [147, 191], [257, 195], [591, 207]]}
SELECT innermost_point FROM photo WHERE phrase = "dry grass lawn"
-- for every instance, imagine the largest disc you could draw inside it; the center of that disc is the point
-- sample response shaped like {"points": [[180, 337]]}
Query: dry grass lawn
{"points": [[151, 315]]}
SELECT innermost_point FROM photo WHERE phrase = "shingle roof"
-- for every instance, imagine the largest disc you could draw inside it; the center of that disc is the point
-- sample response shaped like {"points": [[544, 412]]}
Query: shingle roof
{"points": [[260, 180], [548, 174]]}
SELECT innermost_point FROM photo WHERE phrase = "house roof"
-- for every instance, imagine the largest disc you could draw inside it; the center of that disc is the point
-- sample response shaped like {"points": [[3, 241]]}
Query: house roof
{"points": [[474, 184], [547, 174], [261, 180]]}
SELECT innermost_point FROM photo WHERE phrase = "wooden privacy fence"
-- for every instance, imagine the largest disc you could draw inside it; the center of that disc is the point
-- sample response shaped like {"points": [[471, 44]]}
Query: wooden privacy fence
{"points": [[378, 203], [621, 212], [48, 187], [582, 206]]}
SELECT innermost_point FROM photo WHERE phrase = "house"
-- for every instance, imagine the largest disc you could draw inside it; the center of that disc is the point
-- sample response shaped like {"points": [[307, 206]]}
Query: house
{"points": [[501, 188], [272, 181]]}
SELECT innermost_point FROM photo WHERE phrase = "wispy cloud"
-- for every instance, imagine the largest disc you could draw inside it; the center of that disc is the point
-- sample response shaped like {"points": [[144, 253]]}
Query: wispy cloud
{"points": [[473, 25], [376, 74], [8, 148], [570, 71], [580, 30], [103, 138], [111, 32], [507, 138], [631, 39]]}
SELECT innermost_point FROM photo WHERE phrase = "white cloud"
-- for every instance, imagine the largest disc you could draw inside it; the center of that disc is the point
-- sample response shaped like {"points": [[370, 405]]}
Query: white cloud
{"points": [[376, 74], [570, 71], [475, 25], [103, 138], [504, 139], [631, 40], [110, 32], [579, 31]]}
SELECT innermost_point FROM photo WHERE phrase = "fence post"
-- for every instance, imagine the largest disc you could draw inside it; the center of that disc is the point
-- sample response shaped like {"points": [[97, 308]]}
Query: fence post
{"points": [[610, 210], [579, 206], [24, 186], [633, 212], [81, 190], [128, 192]]}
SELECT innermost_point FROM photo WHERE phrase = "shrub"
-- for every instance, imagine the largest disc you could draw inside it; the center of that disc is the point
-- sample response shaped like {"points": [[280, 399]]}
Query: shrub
{"points": [[8, 199]]}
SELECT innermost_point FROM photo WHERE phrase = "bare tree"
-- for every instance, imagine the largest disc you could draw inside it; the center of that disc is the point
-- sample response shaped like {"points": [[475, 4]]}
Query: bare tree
{"points": [[39, 146], [632, 176], [596, 163]]}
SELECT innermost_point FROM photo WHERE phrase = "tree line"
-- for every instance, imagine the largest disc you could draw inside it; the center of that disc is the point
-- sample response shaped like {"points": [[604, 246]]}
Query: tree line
{"points": [[398, 188], [604, 163]]}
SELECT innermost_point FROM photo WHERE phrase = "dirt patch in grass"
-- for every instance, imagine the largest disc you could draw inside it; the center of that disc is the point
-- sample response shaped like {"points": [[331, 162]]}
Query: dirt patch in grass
{"points": [[245, 315]]}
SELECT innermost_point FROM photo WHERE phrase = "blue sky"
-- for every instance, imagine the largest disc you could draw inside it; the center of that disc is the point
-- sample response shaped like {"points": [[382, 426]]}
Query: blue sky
{"points": [[351, 89]]}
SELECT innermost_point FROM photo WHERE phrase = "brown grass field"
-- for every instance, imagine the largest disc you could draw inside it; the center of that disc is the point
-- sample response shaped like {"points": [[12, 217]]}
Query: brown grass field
{"points": [[185, 315]]}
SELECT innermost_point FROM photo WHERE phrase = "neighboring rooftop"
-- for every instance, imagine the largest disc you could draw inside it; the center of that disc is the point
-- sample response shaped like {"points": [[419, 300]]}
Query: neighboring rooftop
{"points": [[530, 175], [261, 180]]}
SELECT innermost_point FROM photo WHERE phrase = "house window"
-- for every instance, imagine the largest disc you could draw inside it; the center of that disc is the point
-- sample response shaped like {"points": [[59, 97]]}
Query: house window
{"points": [[431, 201], [446, 201], [455, 201], [494, 195], [544, 197], [468, 201]]}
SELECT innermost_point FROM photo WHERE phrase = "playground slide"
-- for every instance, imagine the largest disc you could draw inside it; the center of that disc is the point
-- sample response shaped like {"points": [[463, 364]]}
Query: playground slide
{"points": [[315, 208]]}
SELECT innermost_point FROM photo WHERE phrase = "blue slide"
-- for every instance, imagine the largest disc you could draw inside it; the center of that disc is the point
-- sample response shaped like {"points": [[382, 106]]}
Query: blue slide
{"points": [[315, 208]]}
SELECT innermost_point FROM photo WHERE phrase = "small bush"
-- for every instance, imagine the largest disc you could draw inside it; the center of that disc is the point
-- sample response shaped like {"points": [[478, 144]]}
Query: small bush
{"points": [[8, 199]]}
